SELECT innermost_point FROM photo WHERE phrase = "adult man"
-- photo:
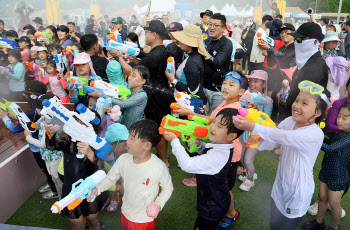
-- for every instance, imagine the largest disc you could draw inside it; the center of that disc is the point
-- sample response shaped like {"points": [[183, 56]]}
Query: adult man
{"points": [[347, 40], [39, 23], [205, 16], [166, 19], [323, 23], [159, 94], [89, 28], [89, 43], [220, 50], [310, 64], [133, 24], [118, 24], [256, 56], [73, 36], [78, 22], [2, 29]]}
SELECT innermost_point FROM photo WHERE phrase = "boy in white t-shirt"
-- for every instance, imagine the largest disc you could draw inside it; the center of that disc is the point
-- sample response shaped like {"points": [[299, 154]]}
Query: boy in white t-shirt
{"points": [[143, 173]]}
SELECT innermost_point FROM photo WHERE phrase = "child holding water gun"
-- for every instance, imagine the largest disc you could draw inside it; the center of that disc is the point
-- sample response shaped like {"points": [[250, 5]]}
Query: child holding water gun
{"points": [[257, 83], [41, 69], [300, 139], [143, 173], [57, 82], [55, 48], [136, 103], [83, 67], [334, 178], [16, 78], [211, 168]]}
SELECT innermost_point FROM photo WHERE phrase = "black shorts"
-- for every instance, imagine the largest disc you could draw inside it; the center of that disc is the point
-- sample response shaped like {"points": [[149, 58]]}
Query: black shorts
{"points": [[232, 173]]}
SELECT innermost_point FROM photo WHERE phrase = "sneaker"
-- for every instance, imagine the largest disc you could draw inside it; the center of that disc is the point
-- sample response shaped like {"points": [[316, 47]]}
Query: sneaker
{"points": [[342, 211], [244, 177], [113, 206], [190, 182], [227, 222], [313, 209], [44, 188], [246, 185], [314, 225], [49, 195]]}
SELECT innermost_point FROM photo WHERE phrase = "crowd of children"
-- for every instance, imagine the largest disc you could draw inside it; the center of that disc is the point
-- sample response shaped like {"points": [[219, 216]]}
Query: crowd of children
{"points": [[58, 69]]}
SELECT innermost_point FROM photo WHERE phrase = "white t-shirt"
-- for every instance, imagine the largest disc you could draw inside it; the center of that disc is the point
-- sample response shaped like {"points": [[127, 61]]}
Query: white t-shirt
{"points": [[256, 54], [324, 28], [141, 185], [294, 183], [142, 37]]}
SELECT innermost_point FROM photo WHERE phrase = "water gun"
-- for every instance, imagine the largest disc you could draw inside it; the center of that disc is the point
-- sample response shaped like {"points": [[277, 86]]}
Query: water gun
{"points": [[170, 65], [43, 36], [196, 128], [188, 101], [123, 49], [30, 65], [79, 83], [8, 44], [267, 39], [131, 44], [248, 99], [68, 50], [21, 116], [258, 117], [59, 62], [114, 91], [80, 190], [115, 36], [100, 104], [5, 70], [74, 128], [5, 106]]}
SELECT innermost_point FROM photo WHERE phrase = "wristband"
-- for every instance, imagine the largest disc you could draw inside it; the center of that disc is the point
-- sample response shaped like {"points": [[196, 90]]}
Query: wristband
{"points": [[173, 82], [119, 56]]}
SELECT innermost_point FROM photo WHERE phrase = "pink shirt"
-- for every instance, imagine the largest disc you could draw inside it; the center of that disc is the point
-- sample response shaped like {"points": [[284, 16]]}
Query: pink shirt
{"points": [[58, 86], [237, 148]]}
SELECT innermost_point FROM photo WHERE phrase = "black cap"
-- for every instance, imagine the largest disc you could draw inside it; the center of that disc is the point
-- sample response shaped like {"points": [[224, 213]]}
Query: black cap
{"points": [[207, 12], [38, 20], [287, 26], [36, 99], [28, 27], [157, 27], [174, 26], [310, 30], [24, 39], [12, 33], [63, 28]]}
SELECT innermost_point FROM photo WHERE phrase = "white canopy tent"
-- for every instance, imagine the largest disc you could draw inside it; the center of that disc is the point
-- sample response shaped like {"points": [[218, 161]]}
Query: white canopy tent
{"points": [[213, 8], [228, 11]]}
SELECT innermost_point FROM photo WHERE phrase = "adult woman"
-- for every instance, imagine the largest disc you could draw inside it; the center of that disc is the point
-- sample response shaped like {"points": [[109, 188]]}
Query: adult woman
{"points": [[189, 75], [62, 33]]}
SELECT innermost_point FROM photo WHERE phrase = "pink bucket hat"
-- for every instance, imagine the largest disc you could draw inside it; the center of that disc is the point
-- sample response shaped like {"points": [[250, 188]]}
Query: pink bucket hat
{"points": [[83, 58], [259, 74]]}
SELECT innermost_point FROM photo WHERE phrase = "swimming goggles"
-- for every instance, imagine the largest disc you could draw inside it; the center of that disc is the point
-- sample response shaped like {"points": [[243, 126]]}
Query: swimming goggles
{"points": [[235, 77], [313, 88]]}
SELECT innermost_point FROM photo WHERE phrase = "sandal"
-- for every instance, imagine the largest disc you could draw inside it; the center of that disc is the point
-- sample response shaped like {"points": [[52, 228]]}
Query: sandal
{"points": [[44, 188], [113, 206], [49, 195]]}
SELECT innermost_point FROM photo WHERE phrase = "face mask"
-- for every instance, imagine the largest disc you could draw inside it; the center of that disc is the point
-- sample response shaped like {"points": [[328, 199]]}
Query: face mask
{"points": [[304, 50]]}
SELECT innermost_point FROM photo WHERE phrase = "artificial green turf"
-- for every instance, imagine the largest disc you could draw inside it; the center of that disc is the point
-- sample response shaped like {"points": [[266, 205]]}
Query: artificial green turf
{"points": [[180, 212]]}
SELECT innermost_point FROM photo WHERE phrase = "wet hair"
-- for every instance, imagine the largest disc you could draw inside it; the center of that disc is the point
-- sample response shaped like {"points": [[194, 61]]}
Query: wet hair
{"points": [[53, 64], [71, 23], [321, 106], [143, 70], [29, 27], [55, 46], [244, 80], [227, 121], [325, 20], [87, 41], [133, 37], [54, 31], [344, 105], [16, 54], [35, 86], [63, 28], [267, 17], [220, 17], [31, 32], [279, 16], [146, 130]]}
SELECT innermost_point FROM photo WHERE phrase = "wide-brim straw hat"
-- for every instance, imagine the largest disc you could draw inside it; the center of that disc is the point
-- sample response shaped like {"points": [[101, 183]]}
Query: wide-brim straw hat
{"points": [[191, 35]]}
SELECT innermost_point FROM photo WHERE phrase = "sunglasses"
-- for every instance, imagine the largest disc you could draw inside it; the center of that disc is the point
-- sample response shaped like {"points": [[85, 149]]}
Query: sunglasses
{"points": [[310, 87], [235, 77], [300, 40]]}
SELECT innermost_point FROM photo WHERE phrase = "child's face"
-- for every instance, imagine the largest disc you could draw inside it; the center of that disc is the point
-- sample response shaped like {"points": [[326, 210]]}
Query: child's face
{"points": [[83, 69], [42, 55], [10, 37], [33, 54], [32, 37], [343, 120], [61, 35], [48, 30], [135, 79], [92, 101], [331, 45], [23, 45], [304, 109], [218, 132], [120, 148], [53, 51], [231, 89], [12, 59], [134, 144], [51, 70], [256, 85]]}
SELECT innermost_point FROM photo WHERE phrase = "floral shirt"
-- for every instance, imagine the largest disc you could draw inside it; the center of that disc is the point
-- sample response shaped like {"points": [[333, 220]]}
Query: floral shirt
{"points": [[47, 155]]}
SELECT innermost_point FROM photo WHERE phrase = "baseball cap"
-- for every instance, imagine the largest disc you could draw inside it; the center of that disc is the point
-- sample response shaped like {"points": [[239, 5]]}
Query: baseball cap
{"points": [[118, 21], [287, 26], [36, 99], [157, 27], [42, 48], [207, 12], [174, 26], [24, 39], [310, 30], [38, 20]]}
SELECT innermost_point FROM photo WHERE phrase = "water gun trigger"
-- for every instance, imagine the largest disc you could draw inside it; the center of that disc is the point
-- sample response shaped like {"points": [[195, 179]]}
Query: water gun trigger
{"points": [[193, 148], [93, 198]]}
